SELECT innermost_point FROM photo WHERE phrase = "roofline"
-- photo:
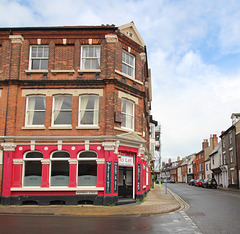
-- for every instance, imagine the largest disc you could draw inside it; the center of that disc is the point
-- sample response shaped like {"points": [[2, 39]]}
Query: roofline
{"points": [[48, 28]]}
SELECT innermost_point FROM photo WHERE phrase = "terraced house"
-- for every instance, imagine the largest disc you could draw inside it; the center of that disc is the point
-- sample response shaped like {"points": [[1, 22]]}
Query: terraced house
{"points": [[75, 106]]}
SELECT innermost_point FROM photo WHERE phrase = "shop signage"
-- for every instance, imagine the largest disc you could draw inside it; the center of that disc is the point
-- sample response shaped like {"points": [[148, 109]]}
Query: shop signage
{"points": [[108, 176], [139, 177], [115, 177], [125, 161]]}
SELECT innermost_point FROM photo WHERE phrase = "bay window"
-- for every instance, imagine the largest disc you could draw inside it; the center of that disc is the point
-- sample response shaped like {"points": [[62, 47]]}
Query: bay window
{"points": [[90, 57], [128, 114], [35, 110], [88, 110], [62, 110]]}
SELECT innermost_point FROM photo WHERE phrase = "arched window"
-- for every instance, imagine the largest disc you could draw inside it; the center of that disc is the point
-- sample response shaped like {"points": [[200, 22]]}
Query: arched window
{"points": [[60, 168], [32, 175], [87, 169]]}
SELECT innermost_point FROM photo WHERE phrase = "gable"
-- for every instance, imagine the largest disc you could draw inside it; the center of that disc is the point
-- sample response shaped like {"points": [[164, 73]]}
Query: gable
{"points": [[131, 31]]}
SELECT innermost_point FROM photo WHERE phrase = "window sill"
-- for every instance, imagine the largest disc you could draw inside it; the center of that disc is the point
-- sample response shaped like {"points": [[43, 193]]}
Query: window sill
{"points": [[129, 77], [127, 130], [89, 71], [63, 71], [60, 127], [88, 127], [34, 128], [77, 189], [36, 71]]}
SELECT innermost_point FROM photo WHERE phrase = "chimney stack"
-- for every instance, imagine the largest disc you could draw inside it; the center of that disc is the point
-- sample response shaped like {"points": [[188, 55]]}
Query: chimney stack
{"points": [[205, 144], [178, 158], [169, 160], [163, 164]]}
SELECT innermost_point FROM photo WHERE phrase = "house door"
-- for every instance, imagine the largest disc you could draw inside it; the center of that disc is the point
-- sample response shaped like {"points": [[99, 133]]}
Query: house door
{"points": [[125, 184]]}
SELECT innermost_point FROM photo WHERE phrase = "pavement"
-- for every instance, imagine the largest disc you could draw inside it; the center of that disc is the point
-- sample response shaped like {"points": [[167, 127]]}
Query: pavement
{"points": [[158, 201]]}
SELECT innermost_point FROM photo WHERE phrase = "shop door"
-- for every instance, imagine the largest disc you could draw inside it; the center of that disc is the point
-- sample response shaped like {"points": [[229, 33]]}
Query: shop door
{"points": [[125, 184]]}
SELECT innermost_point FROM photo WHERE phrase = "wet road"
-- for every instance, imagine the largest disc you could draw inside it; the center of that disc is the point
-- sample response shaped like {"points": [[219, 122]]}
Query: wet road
{"points": [[210, 211]]}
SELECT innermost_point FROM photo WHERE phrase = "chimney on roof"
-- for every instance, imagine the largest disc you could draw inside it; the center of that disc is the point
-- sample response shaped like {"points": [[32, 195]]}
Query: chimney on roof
{"points": [[169, 160], [205, 144], [163, 164], [178, 158], [213, 141]]}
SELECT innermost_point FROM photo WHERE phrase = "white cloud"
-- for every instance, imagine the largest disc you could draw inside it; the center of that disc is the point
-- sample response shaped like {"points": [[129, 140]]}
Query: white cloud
{"points": [[192, 97]]}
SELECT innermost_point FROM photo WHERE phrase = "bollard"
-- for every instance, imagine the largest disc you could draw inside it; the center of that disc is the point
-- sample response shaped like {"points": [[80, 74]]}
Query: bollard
{"points": [[159, 184]]}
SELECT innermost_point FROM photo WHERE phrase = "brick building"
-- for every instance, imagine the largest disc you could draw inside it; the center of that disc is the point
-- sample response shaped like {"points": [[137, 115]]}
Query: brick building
{"points": [[75, 105]]}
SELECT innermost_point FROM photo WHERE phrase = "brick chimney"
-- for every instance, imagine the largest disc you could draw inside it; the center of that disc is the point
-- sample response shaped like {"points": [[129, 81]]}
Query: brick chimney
{"points": [[163, 164], [178, 158], [213, 141], [205, 144], [169, 160]]}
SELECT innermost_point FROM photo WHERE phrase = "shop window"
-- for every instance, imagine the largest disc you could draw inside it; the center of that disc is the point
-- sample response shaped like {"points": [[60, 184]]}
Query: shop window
{"points": [[32, 175], [60, 168], [89, 110], [87, 169], [128, 64], [128, 114], [35, 111], [39, 57], [62, 110], [90, 57]]}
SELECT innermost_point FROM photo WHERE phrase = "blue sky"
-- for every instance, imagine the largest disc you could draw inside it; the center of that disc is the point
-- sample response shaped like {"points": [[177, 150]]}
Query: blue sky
{"points": [[193, 51]]}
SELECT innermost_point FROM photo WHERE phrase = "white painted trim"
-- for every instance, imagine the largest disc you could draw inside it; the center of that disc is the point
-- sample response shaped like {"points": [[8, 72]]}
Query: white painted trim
{"points": [[82, 188], [60, 127], [127, 130], [36, 71], [89, 71], [129, 77], [62, 71], [34, 128], [52, 92], [87, 127], [128, 96]]}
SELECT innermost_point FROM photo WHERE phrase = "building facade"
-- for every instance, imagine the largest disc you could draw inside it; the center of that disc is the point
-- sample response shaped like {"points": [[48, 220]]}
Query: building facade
{"points": [[75, 106]]}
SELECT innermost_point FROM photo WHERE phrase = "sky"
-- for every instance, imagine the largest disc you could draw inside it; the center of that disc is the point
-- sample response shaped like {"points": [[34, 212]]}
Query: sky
{"points": [[193, 51]]}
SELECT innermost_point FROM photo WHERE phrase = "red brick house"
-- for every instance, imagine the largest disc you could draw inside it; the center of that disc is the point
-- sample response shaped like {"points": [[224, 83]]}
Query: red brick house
{"points": [[75, 105]]}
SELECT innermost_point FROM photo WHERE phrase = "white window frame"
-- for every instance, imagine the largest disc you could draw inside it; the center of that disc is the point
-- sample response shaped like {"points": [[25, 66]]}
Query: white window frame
{"points": [[127, 114], [50, 168], [231, 155], [60, 110], [34, 111], [25, 159], [90, 58], [132, 67], [86, 159], [31, 58], [95, 111]]}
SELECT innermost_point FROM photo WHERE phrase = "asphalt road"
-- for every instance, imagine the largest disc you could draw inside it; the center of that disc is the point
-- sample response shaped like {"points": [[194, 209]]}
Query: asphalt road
{"points": [[212, 210]]}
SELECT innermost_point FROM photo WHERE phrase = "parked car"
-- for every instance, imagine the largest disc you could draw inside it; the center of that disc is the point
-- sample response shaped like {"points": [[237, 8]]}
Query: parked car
{"points": [[192, 182], [209, 183], [199, 182]]}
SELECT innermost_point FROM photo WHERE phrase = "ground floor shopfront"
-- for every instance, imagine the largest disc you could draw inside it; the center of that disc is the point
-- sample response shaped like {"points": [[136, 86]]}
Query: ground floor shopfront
{"points": [[98, 173]]}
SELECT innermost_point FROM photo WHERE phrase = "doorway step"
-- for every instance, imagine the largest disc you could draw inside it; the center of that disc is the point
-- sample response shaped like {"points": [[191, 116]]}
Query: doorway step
{"points": [[125, 201]]}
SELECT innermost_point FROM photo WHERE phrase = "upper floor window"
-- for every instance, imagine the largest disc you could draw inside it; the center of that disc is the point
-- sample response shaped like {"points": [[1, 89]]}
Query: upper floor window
{"points": [[230, 138], [88, 110], [128, 64], [32, 172], [90, 59], [35, 110], [128, 114], [39, 57], [231, 156], [62, 110]]}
